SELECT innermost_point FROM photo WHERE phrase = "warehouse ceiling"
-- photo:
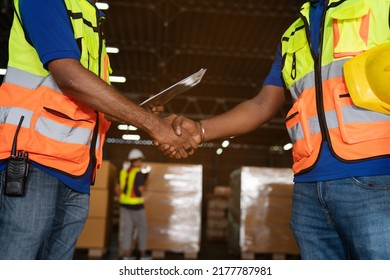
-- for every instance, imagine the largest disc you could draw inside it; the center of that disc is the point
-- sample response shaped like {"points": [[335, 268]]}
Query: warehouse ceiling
{"points": [[163, 41]]}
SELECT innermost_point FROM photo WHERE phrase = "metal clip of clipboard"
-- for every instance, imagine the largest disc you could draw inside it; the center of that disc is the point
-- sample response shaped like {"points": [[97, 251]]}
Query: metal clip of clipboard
{"points": [[167, 94]]}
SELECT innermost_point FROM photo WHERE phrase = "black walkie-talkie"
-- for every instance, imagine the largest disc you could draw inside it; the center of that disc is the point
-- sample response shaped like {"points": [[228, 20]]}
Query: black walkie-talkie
{"points": [[17, 168]]}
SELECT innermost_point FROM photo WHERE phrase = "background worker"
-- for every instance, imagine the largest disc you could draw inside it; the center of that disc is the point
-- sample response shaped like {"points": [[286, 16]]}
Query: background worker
{"points": [[341, 153], [54, 103], [132, 216]]}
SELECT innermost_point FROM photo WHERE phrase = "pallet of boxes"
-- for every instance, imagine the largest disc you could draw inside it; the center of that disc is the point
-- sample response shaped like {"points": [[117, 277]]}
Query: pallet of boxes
{"points": [[259, 213], [173, 200], [96, 235]]}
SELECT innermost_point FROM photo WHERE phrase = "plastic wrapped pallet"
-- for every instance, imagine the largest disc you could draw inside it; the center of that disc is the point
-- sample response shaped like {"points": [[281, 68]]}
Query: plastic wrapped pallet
{"points": [[260, 210], [173, 208]]}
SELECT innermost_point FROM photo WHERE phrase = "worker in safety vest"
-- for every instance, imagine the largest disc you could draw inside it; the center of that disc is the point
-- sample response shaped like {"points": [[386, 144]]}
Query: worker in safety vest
{"points": [[341, 152], [54, 104], [132, 221]]}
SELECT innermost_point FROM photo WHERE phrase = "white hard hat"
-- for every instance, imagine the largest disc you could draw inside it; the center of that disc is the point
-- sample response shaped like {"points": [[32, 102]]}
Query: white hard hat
{"points": [[135, 154]]}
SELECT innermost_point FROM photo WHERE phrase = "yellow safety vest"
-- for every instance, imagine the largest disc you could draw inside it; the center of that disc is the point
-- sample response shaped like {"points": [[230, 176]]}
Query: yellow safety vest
{"points": [[323, 109], [126, 182], [57, 131]]}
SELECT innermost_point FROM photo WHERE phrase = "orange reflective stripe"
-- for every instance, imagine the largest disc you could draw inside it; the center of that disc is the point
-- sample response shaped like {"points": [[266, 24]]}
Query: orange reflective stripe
{"points": [[364, 27], [106, 63]]}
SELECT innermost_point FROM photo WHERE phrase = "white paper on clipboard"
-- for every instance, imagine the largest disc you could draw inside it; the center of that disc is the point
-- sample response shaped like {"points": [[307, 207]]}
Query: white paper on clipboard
{"points": [[167, 94]]}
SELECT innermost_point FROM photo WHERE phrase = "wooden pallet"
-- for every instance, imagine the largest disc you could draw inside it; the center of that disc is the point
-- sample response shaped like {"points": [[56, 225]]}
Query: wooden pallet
{"points": [[274, 256], [160, 254], [96, 253]]}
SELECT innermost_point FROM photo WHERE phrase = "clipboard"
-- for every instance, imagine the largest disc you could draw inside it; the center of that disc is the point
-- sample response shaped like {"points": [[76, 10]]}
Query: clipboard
{"points": [[167, 94]]}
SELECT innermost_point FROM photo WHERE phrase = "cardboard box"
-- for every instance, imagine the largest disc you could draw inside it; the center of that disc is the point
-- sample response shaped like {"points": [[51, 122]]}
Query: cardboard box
{"points": [[105, 176], [100, 203], [94, 234], [97, 230]]}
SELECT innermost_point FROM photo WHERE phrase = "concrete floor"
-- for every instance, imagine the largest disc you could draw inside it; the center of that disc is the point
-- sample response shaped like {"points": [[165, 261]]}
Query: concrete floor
{"points": [[209, 250]]}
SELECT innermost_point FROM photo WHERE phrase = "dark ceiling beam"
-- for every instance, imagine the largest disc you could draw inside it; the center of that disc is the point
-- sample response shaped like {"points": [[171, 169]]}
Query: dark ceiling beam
{"points": [[145, 47], [168, 9], [210, 81]]}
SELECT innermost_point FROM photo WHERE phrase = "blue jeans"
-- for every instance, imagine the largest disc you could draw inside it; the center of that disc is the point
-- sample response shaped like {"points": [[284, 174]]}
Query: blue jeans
{"points": [[43, 224], [343, 219]]}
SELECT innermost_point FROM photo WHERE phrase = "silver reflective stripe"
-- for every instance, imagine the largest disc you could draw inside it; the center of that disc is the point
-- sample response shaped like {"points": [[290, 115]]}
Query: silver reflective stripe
{"points": [[295, 132], [331, 119], [28, 80], [49, 82], [22, 78], [97, 146], [353, 114], [332, 70], [12, 115], [63, 133], [306, 82], [314, 125]]}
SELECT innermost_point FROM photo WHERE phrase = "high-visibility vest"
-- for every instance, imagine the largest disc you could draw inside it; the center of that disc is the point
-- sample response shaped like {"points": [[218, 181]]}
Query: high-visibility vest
{"points": [[323, 109], [126, 182], [57, 130]]}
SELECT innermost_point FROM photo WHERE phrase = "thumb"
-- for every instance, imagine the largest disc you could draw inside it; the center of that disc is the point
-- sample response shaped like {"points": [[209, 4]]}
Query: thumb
{"points": [[176, 125]]}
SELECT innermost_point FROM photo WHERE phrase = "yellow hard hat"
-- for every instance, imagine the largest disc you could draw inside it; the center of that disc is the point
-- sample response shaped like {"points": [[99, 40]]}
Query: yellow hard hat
{"points": [[368, 79]]}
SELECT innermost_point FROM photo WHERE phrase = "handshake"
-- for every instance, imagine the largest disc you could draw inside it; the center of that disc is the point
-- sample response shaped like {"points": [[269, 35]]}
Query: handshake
{"points": [[189, 135]]}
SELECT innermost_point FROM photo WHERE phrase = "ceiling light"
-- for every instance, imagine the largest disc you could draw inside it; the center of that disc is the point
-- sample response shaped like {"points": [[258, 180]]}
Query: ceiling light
{"points": [[219, 151], [276, 149], [288, 146], [126, 127], [102, 6], [112, 50], [134, 137], [3, 71], [225, 143], [117, 79]]}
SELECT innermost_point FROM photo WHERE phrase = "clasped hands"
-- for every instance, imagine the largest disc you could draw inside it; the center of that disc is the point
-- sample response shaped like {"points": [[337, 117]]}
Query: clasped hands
{"points": [[186, 129]]}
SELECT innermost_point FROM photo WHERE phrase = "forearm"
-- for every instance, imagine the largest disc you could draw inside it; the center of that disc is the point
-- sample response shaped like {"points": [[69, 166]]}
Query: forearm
{"points": [[245, 117], [84, 86], [235, 122]]}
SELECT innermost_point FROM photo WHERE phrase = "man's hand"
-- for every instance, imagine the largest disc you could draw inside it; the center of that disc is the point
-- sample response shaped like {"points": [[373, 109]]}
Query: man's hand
{"points": [[181, 126], [180, 123], [173, 145], [155, 109]]}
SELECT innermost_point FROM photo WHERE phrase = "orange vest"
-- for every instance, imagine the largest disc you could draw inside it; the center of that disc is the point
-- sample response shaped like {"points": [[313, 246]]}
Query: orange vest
{"points": [[323, 109], [57, 131]]}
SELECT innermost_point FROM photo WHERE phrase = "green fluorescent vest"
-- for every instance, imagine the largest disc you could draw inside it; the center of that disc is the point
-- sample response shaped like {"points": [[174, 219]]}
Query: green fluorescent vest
{"points": [[126, 181], [57, 131], [323, 109]]}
